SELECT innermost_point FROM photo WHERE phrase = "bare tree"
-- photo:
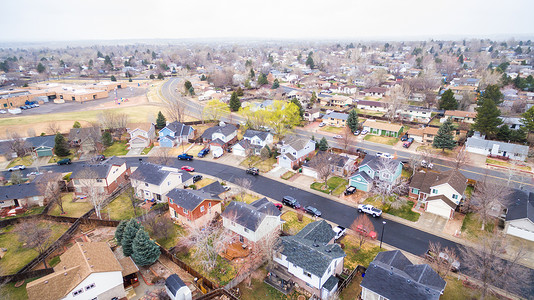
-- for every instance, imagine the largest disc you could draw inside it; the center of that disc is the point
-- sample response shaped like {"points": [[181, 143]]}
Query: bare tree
{"points": [[389, 190], [16, 177], [397, 100], [440, 258], [488, 199], [484, 262], [269, 246], [53, 127], [93, 139], [50, 187], [361, 228], [243, 186], [461, 159], [159, 226], [17, 144], [35, 235], [161, 156], [95, 192], [175, 110], [130, 192], [415, 162], [346, 138], [323, 164]]}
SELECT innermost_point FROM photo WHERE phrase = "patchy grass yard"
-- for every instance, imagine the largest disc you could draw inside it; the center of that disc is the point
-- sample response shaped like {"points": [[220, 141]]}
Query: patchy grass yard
{"points": [[334, 183], [356, 257], [292, 224], [264, 165], [221, 274], [26, 160], [260, 290], [172, 238], [147, 149], [352, 290], [248, 198], [72, 208], [456, 290], [332, 129], [117, 149], [203, 182], [54, 159], [17, 256], [381, 139], [9, 291], [287, 175], [195, 149], [32, 211], [121, 208], [471, 227], [250, 161], [506, 164], [369, 112], [404, 212]]}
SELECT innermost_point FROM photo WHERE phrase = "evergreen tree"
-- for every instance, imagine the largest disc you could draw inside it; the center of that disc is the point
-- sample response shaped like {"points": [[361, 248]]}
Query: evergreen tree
{"points": [[161, 121], [519, 135], [151, 76], [313, 98], [240, 92], [461, 59], [187, 85], [528, 120], [323, 144], [276, 84], [252, 75], [40, 68], [120, 230], [130, 231], [504, 133], [145, 250], [107, 61], [234, 103], [107, 140], [297, 103], [77, 125], [99, 54], [493, 92], [160, 76], [444, 139], [487, 120], [203, 77], [113, 78], [191, 91], [447, 101], [262, 79], [61, 148], [352, 120], [309, 62]]}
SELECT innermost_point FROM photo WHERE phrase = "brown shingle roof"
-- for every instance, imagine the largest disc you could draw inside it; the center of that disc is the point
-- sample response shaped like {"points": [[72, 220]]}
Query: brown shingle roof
{"points": [[143, 126], [444, 199], [461, 113], [128, 266], [382, 126], [424, 181]]}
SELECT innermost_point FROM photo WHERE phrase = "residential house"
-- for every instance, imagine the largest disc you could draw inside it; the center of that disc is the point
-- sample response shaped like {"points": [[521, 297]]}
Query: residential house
{"points": [[460, 116], [24, 194], [379, 92], [87, 270], [341, 165], [340, 101], [175, 133], [294, 150], [372, 169], [141, 135], [254, 140], [415, 113], [311, 114], [335, 119], [311, 259], [109, 175], [513, 123], [520, 215], [438, 193], [477, 144], [372, 105], [153, 182], [423, 135], [88, 139], [345, 89], [193, 207], [42, 145], [252, 222], [392, 276], [220, 136], [382, 128]]}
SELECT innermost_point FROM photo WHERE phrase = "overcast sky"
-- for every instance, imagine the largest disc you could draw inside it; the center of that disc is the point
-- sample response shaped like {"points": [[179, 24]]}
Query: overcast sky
{"points": [[64, 20]]}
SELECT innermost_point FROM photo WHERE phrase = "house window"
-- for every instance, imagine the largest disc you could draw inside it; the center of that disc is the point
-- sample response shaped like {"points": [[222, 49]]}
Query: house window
{"points": [[434, 191], [146, 184], [185, 211], [306, 273], [454, 196], [158, 197], [99, 180], [76, 293], [241, 239], [415, 191], [209, 204], [92, 285], [202, 208]]}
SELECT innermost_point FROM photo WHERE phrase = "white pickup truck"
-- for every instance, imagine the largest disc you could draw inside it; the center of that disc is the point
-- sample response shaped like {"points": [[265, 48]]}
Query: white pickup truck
{"points": [[369, 209]]}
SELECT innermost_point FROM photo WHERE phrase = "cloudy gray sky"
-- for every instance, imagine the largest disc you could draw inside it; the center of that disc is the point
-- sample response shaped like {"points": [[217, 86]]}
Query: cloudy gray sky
{"points": [[63, 20]]}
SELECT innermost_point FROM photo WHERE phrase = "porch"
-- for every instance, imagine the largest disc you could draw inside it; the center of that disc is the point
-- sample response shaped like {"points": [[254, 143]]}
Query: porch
{"points": [[280, 279], [236, 250]]}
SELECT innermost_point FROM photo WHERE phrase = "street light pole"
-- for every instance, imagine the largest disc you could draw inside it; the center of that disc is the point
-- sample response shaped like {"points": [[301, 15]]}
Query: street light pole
{"points": [[382, 237]]}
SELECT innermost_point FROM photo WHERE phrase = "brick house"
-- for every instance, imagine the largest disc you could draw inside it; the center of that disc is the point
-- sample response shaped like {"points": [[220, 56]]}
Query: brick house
{"points": [[109, 175], [193, 207]]}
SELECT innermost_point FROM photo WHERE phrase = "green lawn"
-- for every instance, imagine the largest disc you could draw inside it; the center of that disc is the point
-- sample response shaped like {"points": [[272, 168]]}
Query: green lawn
{"points": [[146, 150], [332, 129], [9, 291], [121, 208], [381, 139], [17, 256], [72, 208], [260, 290], [117, 149], [203, 182], [248, 198], [404, 212], [357, 257], [292, 224], [264, 165], [456, 290], [471, 226], [288, 175], [54, 159], [334, 184], [172, 238], [26, 160]]}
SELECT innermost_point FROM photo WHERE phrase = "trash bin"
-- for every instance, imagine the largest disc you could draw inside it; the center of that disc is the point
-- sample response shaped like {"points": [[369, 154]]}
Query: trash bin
{"points": [[300, 170]]}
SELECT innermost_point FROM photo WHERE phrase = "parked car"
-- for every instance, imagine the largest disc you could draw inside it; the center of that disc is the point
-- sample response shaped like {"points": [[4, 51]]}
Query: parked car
{"points": [[3, 111], [279, 206], [322, 124], [312, 211], [384, 155], [291, 202], [357, 132], [203, 152], [65, 161], [27, 106], [35, 173], [455, 265], [36, 105], [197, 178], [408, 143], [22, 107], [338, 136], [100, 157], [369, 209], [16, 168], [218, 152], [404, 137], [340, 232], [426, 164], [363, 231], [188, 168], [185, 156], [253, 171], [350, 190], [364, 132]]}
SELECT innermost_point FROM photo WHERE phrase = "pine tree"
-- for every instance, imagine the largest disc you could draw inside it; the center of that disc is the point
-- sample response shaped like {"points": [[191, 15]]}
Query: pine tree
{"points": [[129, 235], [323, 144], [313, 98], [107, 140], [448, 102], [309, 62], [113, 78], [276, 84], [493, 92], [187, 85], [262, 79], [444, 139], [252, 75], [77, 125], [240, 92], [487, 120], [60, 148], [41, 68], [352, 120], [145, 250], [160, 76], [528, 119], [234, 104], [120, 231], [161, 121]]}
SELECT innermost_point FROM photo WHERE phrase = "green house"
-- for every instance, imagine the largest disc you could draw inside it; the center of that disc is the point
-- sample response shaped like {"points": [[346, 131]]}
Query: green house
{"points": [[370, 170], [382, 128]]}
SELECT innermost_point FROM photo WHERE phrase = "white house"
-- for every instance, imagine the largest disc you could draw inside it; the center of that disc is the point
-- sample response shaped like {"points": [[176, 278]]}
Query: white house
{"points": [[220, 136], [109, 175], [477, 144], [520, 216], [415, 112], [87, 270], [141, 135], [153, 182], [312, 259], [252, 222], [294, 150], [372, 105], [254, 140]]}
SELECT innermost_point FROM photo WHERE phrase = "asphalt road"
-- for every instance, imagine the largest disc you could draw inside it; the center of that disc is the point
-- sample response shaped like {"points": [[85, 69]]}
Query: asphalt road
{"points": [[397, 235]]}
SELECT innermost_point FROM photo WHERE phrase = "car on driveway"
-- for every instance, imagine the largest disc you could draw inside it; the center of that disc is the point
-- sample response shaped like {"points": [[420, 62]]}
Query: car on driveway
{"points": [[338, 136], [350, 190], [279, 206], [203, 152], [188, 168], [253, 171], [291, 202], [197, 178], [185, 156], [322, 124], [404, 138], [16, 168], [312, 211], [65, 161], [364, 132], [357, 132], [100, 157], [340, 232], [363, 231], [369, 209], [408, 143], [384, 155]]}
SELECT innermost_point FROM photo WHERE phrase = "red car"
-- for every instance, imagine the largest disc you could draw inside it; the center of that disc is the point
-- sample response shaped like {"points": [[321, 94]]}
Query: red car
{"points": [[361, 230], [188, 168], [279, 206]]}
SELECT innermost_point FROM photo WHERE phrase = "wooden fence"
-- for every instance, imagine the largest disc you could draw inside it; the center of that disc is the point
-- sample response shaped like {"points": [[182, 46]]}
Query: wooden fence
{"points": [[25, 275], [188, 269], [217, 293], [359, 269]]}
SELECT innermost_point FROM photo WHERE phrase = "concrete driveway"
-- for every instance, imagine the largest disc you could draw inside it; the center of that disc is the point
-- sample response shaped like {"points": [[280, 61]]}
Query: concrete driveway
{"points": [[432, 222], [134, 152]]}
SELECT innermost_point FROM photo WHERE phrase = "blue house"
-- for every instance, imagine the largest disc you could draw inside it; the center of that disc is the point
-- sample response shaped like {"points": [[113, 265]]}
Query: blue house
{"points": [[175, 133], [372, 168]]}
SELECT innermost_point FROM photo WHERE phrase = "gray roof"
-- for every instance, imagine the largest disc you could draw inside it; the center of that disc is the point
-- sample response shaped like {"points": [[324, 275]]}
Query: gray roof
{"points": [[330, 283], [364, 175], [476, 142], [425, 180], [189, 199], [97, 171], [393, 276], [251, 215], [374, 162], [335, 159], [296, 142], [262, 135], [521, 205], [178, 128], [155, 174], [174, 283], [309, 250], [19, 191], [214, 188], [371, 103], [44, 141], [336, 115], [226, 130]]}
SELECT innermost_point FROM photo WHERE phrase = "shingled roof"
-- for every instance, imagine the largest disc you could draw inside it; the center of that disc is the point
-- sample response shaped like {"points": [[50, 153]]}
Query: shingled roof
{"points": [[425, 180], [97, 171], [262, 135], [19, 191], [190, 199], [178, 128], [155, 174], [296, 142], [521, 206], [251, 215], [226, 130]]}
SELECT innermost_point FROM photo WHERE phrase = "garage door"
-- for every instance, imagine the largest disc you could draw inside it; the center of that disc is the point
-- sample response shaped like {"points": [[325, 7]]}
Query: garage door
{"points": [[524, 234], [439, 208], [309, 172]]}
